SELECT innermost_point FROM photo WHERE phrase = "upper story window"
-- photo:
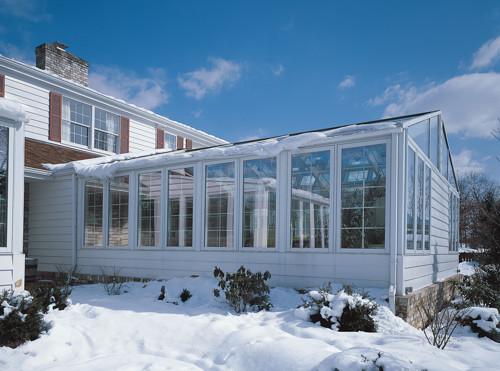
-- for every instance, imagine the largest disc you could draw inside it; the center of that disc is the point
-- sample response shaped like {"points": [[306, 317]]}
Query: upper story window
{"points": [[78, 125], [107, 131], [76, 121], [170, 142]]}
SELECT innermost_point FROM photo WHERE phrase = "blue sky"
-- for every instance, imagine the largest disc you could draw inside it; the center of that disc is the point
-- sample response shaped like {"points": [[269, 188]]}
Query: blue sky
{"points": [[243, 70]]}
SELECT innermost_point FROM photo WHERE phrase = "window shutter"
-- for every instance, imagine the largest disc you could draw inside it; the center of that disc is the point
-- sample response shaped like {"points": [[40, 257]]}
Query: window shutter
{"points": [[189, 144], [2, 86], [180, 142], [160, 139], [124, 134], [55, 116]]}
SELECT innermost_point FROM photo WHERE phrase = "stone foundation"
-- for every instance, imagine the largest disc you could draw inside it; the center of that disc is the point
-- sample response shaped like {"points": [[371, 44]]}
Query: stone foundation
{"points": [[435, 295]]}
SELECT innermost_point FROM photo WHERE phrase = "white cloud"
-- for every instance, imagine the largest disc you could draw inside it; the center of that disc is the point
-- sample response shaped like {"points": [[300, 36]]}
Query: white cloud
{"points": [[349, 81], [470, 102], [144, 91], [198, 83], [487, 54], [30, 10], [465, 163], [15, 52], [278, 70]]}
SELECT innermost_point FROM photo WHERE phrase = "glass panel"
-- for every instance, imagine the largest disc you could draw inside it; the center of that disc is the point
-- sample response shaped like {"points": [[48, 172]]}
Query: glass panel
{"points": [[105, 141], [363, 197], [427, 209], [4, 181], [93, 213], [410, 201], [434, 137], [180, 207], [76, 121], [259, 202], [310, 199], [107, 121], [444, 155], [420, 134], [149, 208], [219, 215], [170, 142], [420, 202], [118, 211]]}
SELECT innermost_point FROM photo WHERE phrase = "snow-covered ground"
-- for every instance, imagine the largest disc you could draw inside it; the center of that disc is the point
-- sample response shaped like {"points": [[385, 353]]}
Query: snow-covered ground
{"points": [[467, 268], [135, 331]]}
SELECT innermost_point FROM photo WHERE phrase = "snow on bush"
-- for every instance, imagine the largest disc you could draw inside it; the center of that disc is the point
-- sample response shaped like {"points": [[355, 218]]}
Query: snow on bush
{"points": [[483, 321], [244, 291], [367, 359], [21, 318], [343, 311]]}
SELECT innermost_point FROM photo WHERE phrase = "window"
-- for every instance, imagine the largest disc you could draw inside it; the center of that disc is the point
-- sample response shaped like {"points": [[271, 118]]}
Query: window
{"points": [[259, 203], [149, 208], [170, 142], [118, 211], [418, 203], [310, 199], [444, 155], [410, 203], [363, 191], [453, 236], [180, 207], [76, 121], [219, 214], [434, 140], [4, 178], [420, 134], [107, 131], [93, 231]]}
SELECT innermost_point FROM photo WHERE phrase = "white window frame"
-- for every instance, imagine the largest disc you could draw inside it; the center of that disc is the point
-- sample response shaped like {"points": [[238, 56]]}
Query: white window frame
{"points": [[165, 189], [288, 197], [10, 185], [92, 129], [165, 135], [107, 211], [240, 205], [162, 234], [118, 136], [236, 216], [427, 163], [388, 196]]}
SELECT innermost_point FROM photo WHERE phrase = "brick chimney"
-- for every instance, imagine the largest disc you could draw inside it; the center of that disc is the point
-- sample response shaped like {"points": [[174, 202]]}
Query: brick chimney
{"points": [[53, 57]]}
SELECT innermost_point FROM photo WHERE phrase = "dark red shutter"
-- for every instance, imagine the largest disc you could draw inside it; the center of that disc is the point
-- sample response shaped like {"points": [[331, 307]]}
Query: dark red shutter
{"points": [[180, 142], [160, 139], [124, 134], [2, 86], [55, 116], [189, 144]]}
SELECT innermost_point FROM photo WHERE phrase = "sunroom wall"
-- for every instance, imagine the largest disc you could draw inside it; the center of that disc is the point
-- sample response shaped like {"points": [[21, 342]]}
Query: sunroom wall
{"points": [[423, 267], [292, 267]]}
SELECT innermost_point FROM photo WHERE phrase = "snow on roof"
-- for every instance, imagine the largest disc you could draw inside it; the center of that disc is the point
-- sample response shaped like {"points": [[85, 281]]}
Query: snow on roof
{"points": [[106, 167], [12, 110], [144, 110]]}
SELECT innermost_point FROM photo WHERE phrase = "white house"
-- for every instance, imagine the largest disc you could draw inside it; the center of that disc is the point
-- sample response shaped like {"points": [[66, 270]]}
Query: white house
{"points": [[372, 204], [66, 121]]}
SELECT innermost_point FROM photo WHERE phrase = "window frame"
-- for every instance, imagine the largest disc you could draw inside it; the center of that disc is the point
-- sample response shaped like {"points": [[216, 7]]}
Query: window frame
{"points": [[388, 197], [10, 183], [107, 212], [92, 129], [419, 154], [165, 195], [287, 202], [117, 136], [240, 190], [165, 134], [236, 232], [162, 231]]}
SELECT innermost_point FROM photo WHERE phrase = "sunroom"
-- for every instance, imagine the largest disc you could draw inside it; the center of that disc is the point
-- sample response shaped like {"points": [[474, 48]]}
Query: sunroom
{"points": [[371, 204]]}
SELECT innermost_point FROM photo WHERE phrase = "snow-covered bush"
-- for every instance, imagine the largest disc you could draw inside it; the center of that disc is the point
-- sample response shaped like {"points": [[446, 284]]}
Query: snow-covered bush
{"points": [[243, 289], [21, 319], [47, 298], [482, 288], [483, 321], [342, 311], [185, 295]]}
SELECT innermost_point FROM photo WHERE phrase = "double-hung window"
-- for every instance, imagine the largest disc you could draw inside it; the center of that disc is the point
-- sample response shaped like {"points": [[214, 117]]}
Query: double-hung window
{"points": [[76, 121], [107, 131], [170, 142], [310, 199]]}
